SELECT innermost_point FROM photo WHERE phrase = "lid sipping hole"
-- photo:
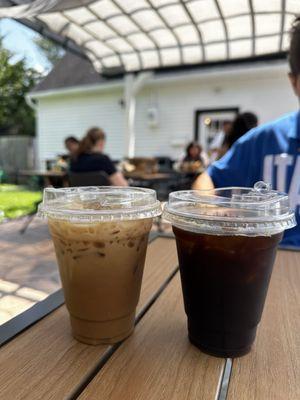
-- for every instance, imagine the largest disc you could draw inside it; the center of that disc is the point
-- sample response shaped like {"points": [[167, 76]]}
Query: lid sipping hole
{"points": [[262, 187]]}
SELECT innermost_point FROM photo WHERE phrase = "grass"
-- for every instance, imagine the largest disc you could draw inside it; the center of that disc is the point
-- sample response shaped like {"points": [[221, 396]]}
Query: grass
{"points": [[16, 201]]}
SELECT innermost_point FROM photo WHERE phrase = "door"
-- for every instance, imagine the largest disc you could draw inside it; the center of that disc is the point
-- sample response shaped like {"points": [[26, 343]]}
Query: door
{"points": [[209, 123]]}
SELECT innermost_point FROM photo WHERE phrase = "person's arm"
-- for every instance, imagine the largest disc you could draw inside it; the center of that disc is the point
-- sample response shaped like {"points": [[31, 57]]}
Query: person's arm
{"points": [[117, 179], [203, 182], [238, 167]]}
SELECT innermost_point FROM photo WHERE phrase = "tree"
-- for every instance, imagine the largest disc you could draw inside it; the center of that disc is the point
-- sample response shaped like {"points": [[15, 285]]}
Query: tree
{"points": [[49, 49], [16, 80]]}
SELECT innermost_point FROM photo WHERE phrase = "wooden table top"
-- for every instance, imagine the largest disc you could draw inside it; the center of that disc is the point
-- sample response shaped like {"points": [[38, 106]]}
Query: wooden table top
{"points": [[148, 176], [43, 173], [157, 362]]}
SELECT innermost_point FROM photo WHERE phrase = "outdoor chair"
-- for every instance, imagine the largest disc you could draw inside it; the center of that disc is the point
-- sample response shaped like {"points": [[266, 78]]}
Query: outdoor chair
{"points": [[165, 164], [98, 178]]}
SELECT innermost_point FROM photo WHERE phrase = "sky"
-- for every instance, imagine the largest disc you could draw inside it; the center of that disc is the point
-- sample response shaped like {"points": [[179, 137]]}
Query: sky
{"points": [[19, 40]]}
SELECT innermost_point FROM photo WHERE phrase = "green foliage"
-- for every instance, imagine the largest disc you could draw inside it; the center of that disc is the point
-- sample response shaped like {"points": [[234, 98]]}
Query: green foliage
{"points": [[49, 49], [16, 80], [16, 201]]}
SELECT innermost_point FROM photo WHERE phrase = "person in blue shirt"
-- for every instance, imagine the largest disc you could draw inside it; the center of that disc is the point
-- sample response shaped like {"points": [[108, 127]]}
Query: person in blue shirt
{"points": [[270, 152]]}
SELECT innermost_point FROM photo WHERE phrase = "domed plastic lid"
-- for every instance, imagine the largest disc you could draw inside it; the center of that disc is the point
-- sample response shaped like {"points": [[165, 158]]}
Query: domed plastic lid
{"points": [[103, 203], [231, 211]]}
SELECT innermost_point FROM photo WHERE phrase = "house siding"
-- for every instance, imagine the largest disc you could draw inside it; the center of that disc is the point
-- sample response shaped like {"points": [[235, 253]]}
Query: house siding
{"points": [[59, 117], [264, 92]]}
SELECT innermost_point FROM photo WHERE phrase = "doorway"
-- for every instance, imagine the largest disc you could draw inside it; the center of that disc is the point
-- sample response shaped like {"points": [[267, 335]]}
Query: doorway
{"points": [[209, 122]]}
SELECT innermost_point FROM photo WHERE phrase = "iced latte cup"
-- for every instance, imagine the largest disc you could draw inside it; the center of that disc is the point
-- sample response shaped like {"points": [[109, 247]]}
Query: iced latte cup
{"points": [[100, 236], [226, 241]]}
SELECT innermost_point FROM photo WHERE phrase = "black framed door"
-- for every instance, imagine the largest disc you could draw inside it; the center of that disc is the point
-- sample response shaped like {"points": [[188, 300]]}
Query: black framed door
{"points": [[206, 117]]}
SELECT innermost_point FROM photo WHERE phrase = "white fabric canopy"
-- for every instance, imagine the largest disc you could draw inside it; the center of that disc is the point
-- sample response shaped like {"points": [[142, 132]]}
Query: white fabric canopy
{"points": [[147, 34]]}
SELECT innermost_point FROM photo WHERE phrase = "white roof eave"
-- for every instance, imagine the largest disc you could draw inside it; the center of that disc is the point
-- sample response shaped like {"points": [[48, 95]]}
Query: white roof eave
{"points": [[81, 89], [262, 70]]}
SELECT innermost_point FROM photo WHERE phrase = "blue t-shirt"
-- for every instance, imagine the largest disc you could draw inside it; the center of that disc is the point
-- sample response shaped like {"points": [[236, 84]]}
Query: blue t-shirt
{"points": [[270, 152]]}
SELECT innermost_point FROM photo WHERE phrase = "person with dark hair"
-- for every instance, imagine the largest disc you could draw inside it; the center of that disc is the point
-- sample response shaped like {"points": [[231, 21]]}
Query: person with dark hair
{"points": [[193, 152], [270, 152], [195, 159], [72, 144], [90, 157], [240, 125]]}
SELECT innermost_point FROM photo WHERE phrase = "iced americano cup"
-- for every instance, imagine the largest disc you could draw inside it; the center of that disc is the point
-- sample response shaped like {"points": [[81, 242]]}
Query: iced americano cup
{"points": [[226, 241], [100, 236]]}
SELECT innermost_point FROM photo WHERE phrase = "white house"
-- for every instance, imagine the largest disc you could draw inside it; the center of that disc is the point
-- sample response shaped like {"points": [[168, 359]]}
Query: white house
{"points": [[73, 97]]}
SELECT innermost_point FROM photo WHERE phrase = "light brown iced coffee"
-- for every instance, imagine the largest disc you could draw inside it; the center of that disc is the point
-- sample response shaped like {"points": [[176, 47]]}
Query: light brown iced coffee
{"points": [[101, 263]]}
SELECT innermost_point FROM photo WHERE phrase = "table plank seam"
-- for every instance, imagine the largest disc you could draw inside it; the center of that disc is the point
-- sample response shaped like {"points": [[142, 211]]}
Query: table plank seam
{"points": [[225, 379], [107, 355], [156, 295]]}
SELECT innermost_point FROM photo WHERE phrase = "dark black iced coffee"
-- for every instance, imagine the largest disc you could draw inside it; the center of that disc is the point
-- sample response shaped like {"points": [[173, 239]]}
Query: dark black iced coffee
{"points": [[224, 281], [226, 241]]}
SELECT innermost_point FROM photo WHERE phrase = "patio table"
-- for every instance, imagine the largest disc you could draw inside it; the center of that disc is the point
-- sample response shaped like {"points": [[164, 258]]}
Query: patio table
{"points": [[157, 361], [145, 176], [162, 182], [48, 177]]}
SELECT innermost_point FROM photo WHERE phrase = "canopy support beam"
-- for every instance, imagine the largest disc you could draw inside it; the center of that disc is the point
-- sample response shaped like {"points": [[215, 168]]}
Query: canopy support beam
{"points": [[133, 84]]}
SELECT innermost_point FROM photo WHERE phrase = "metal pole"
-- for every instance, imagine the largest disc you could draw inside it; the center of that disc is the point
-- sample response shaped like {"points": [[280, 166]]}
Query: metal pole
{"points": [[130, 116], [132, 86], [131, 130]]}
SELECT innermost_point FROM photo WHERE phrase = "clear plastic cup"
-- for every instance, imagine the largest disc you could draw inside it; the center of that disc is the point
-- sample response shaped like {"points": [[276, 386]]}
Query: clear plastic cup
{"points": [[100, 236], [226, 241]]}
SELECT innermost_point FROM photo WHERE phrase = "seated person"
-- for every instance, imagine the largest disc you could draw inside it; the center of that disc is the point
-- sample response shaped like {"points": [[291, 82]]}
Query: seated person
{"points": [[72, 145], [241, 125], [195, 158], [90, 158], [270, 152]]}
